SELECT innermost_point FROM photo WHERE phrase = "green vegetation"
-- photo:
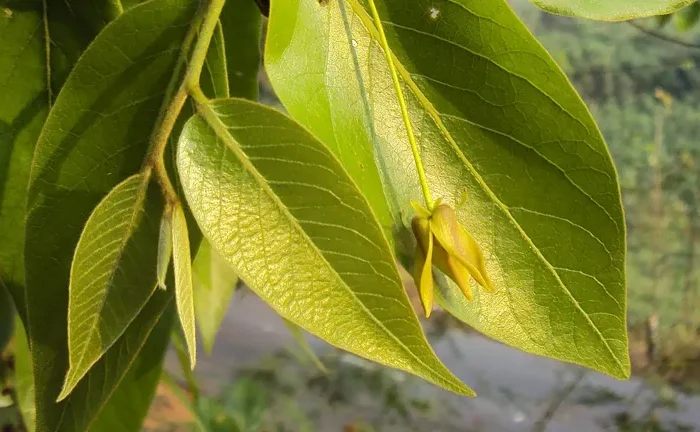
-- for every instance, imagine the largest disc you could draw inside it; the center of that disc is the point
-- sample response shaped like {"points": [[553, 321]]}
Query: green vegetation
{"points": [[141, 180]]}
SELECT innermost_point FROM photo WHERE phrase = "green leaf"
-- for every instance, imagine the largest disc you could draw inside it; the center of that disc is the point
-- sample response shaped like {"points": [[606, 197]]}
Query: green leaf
{"points": [[298, 335], [214, 285], [24, 79], [132, 398], [335, 121], [279, 207], [22, 112], [95, 136], [182, 263], [121, 370], [496, 120], [241, 24], [23, 378], [611, 10], [110, 276]]}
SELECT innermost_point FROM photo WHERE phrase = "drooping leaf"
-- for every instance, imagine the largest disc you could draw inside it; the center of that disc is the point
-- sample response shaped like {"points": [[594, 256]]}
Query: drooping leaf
{"points": [[612, 10], [23, 377], [497, 119], [120, 378], [110, 276], [298, 335], [132, 398], [214, 285], [241, 25], [279, 207], [182, 263], [96, 135]]}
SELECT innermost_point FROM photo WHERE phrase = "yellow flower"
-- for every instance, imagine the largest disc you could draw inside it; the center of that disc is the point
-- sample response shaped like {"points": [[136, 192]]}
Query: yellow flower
{"points": [[444, 242]]}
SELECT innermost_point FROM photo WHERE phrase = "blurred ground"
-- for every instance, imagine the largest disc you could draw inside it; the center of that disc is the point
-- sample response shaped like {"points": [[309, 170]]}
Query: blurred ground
{"points": [[515, 389]]}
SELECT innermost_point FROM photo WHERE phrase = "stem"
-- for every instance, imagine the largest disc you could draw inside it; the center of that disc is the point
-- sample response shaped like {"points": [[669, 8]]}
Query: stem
{"points": [[199, 54], [404, 109], [160, 141], [169, 115]]}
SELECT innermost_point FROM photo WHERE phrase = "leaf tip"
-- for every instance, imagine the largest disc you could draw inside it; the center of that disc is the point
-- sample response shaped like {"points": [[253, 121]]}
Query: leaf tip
{"points": [[68, 386], [193, 357]]}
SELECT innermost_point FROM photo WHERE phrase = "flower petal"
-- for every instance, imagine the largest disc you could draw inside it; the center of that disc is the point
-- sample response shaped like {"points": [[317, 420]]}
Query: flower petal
{"points": [[476, 258], [453, 269], [460, 245], [426, 280], [421, 212], [423, 263]]}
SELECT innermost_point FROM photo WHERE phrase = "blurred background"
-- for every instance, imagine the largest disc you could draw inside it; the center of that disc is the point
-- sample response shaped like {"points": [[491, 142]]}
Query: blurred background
{"points": [[641, 81]]}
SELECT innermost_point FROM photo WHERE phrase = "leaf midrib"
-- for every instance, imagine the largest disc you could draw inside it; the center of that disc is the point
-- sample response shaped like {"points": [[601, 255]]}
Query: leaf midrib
{"points": [[435, 115], [221, 131]]}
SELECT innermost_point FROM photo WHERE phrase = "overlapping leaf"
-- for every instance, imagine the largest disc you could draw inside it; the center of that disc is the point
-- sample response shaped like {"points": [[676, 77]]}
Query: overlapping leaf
{"points": [[282, 211], [130, 403], [95, 136], [496, 119], [612, 10], [124, 375]]}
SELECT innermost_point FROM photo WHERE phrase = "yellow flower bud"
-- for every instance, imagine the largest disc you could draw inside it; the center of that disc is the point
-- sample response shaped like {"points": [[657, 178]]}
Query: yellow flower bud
{"points": [[442, 241]]}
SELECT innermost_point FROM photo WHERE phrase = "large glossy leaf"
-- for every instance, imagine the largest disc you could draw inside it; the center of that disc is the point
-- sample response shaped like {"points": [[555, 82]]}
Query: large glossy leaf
{"points": [[214, 285], [113, 272], [26, 95], [495, 119], [95, 136], [612, 10], [123, 376], [132, 398], [22, 112], [129, 401], [337, 121], [284, 213]]}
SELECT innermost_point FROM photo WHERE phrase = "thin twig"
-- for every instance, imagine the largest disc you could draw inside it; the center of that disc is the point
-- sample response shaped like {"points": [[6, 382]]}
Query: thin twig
{"points": [[662, 36], [555, 403]]}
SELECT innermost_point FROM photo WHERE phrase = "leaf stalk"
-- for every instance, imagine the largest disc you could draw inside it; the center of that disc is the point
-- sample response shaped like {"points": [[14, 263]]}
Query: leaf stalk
{"points": [[404, 109], [203, 34]]}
